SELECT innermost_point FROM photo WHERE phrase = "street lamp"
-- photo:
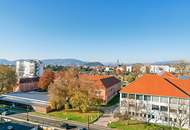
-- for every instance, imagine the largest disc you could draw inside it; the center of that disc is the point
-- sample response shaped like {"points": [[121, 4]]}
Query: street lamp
{"points": [[27, 116]]}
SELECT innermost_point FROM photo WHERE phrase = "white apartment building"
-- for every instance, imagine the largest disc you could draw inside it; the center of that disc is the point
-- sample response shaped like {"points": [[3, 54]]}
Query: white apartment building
{"points": [[29, 68], [129, 68], [159, 68], [161, 99]]}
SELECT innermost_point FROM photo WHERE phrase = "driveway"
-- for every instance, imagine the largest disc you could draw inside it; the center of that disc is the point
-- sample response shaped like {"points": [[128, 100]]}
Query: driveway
{"points": [[108, 116]]}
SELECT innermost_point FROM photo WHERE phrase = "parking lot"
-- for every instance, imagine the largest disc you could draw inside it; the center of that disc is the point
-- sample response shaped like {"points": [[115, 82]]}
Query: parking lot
{"points": [[9, 109]]}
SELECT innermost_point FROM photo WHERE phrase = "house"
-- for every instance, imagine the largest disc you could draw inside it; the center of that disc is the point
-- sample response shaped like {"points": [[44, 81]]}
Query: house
{"points": [[162, 99], [106, 86]]}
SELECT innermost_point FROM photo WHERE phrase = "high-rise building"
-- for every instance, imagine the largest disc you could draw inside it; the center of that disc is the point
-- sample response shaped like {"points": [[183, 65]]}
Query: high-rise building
{"points": [[29, 68]]}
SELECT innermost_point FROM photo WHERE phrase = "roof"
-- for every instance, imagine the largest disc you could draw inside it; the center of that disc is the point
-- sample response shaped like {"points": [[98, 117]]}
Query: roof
{"points": [[28, 98], [159, 85], [105, 81]]}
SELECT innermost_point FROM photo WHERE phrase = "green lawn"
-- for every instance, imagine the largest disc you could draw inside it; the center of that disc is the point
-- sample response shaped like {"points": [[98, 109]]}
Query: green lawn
{"points": [[136, 125], [73, 116]]}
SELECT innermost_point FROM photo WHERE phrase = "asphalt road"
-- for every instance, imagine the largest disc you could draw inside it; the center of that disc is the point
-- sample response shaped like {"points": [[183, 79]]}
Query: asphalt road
{"points": [[56, 123]]}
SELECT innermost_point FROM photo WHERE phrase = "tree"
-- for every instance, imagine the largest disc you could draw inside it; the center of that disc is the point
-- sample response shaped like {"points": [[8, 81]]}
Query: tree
{"points": [[46, 79], [58, 93], [181, 116], [7, 79], [69, 88]]}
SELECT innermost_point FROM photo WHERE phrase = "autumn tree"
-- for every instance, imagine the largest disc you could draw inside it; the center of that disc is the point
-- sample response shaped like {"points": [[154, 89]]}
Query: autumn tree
{"points": [[46, 79], [7, 79], [70, 89]]}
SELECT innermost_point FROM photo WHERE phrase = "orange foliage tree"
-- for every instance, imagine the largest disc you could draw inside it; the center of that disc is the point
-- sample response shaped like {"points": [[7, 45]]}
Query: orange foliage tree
{"points": [[46, 79]]}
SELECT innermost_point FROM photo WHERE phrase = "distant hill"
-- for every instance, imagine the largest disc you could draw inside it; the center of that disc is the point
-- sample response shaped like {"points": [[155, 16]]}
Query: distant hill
{"points": [[6, 62], [64, 62], [93, 64], [170, 62]]}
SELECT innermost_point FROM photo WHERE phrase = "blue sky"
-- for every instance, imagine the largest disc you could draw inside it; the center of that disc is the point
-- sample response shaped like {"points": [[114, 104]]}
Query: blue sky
{"points": [[95, 30]]}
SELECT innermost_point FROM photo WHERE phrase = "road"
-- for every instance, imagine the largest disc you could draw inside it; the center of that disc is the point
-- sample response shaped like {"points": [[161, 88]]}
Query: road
{"points": [[55, 122]]}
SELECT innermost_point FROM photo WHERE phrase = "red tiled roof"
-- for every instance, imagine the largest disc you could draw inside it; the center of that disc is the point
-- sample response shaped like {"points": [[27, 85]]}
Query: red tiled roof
{"points": [[159, 86], [101, 80]]}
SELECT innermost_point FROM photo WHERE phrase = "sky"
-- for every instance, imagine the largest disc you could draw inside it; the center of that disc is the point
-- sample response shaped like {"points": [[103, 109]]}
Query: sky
{"points": [[95, 30]]}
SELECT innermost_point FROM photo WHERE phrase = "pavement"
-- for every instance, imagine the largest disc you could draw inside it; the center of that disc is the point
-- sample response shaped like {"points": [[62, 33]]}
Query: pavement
{"points": [[108, 116], [56, 122]]}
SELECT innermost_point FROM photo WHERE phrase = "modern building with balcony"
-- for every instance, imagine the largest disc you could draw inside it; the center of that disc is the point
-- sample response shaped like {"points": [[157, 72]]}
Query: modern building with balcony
{"points": [[162, 99], [28, 73]]}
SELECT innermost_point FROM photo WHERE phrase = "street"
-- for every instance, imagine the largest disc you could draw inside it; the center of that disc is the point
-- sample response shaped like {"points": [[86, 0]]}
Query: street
{"points": [[55, 122]]}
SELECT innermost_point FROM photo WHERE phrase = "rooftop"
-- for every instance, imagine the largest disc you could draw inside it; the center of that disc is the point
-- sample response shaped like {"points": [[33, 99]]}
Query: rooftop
{"points": [[101, 80], [27, 98], [159, 85]]}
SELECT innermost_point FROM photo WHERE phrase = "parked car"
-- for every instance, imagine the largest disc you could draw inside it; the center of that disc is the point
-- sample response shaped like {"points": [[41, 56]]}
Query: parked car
{"points": [[82, 129], [67, 126]]}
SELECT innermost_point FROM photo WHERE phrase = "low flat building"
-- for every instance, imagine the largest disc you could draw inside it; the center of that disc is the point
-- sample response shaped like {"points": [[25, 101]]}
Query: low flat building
{"points": [[37, 100], [162, 99], [26, 84], [106, 86]]}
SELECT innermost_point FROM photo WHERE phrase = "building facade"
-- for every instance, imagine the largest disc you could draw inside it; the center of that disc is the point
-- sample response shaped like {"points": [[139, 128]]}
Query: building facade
{"points": [[161, 99], [29, 68], [106, 87], [159, 68], [28, 73]]}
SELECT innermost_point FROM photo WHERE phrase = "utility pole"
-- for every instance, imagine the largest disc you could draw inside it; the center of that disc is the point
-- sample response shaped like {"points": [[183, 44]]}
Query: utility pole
{"points": [[88, 123]]}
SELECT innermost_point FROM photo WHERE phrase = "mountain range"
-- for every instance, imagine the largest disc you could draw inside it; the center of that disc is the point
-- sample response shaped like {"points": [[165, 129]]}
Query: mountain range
{"points": [[63, 62], [76, 62]]}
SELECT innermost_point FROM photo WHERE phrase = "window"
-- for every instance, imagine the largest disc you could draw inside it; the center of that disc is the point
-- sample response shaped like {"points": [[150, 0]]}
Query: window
{"points": [[153, 116], [183, 102], [131, 96], [139, 97], [175, 120], [149, 116], [147, 98], [165, 119], [155, 107], [173, 100], [164, 99], [164, 108], [155, 99], [124, 95]]}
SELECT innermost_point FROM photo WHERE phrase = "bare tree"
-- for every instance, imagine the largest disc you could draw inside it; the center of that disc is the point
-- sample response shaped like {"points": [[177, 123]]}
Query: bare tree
{"points": [[181, 117]]}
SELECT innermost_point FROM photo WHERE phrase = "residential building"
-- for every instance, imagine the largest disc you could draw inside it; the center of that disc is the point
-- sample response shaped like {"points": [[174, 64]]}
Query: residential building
{"points": [[129, 68], [106, 86], [28, 73], [162, 99], [159, 68], [29, 68]]}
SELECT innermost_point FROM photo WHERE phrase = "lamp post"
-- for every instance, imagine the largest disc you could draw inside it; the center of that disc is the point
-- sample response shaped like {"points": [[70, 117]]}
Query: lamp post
{"points": [[27, 116]]}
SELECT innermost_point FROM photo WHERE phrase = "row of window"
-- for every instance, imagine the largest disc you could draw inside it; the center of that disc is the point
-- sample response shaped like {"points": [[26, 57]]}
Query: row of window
{"points": [[155, 98], [151, 116], [161, 108]]}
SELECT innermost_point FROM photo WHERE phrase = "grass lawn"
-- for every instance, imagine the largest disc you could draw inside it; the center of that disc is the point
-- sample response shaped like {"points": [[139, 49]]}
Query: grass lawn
{"points": [[73, 116], [136, 125]]}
